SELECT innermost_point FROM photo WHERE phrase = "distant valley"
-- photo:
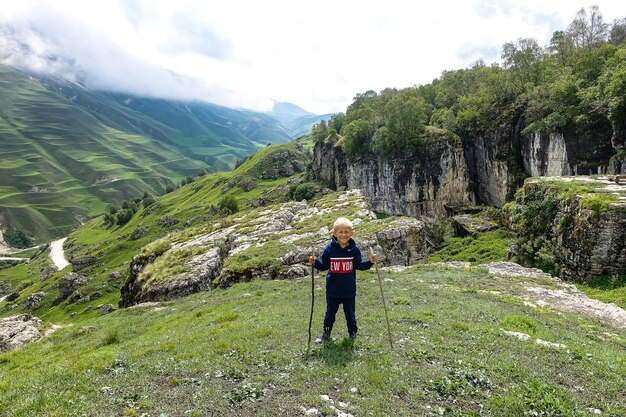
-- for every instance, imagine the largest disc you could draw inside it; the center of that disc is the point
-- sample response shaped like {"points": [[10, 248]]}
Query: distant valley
{"points": [[68, 151]]}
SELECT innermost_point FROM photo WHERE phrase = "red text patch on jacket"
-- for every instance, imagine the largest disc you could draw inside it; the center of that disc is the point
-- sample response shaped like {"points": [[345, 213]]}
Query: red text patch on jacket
{"points": [[341, 265]]}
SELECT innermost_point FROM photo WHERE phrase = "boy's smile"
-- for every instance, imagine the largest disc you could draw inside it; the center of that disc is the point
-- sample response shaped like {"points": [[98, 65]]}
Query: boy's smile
{"points": [[343, 235]]}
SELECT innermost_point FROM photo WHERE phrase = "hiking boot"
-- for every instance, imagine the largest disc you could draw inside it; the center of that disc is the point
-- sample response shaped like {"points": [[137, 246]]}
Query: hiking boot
{"points": [[353, 335], [324, 337]]}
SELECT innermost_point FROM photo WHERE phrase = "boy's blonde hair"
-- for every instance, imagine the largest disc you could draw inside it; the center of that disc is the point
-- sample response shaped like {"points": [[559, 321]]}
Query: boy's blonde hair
{"points": [[342, 221]]}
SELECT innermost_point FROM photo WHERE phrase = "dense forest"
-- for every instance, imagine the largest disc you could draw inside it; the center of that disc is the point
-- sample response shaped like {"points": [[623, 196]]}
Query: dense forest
{"points": [[576, 85]]}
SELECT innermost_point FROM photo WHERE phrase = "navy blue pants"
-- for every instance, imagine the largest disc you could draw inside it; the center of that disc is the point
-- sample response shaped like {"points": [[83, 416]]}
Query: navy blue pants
{"points": [[349, 310]]}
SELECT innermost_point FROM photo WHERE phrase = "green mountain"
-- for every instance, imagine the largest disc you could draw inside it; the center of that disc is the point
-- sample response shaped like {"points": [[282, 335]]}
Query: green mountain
{"points": [[297, 120], [69, 151]]}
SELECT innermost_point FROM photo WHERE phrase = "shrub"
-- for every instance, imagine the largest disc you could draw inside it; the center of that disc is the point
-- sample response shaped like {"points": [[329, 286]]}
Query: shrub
{"points": [[123, 216], [108, 220], [228, 204], [17, 239], [299, 192], [148, 201]]}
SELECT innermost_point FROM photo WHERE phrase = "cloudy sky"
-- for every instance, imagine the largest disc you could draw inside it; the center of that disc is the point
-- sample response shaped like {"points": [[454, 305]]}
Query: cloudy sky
{"points": [[246, 53]]}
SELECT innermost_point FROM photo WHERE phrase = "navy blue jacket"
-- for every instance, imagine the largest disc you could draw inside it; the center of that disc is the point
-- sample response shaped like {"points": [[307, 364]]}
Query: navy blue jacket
{"points": [[341, 264]]}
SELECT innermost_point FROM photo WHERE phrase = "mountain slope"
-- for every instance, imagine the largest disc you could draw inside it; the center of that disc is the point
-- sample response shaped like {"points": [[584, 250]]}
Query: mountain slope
{"points": [[59, 161], [297, 120], [69, 151]]}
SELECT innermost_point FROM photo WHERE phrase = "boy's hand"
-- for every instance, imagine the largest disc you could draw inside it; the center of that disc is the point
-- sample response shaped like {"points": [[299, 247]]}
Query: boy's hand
{"points": [[373, 257], [311, 259]]}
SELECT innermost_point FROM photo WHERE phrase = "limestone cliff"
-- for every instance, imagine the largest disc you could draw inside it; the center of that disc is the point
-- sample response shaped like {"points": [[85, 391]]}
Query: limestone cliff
{"points": [[329, 162], [416, 184], [558, 154], [545, 155], [573, 226], [494, 170], [480, 169]]}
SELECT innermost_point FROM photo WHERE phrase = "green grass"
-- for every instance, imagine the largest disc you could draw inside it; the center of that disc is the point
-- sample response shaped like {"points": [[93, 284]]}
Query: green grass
{"points": [[594, 194], [243, 351], [609, 289], [477, 249]]}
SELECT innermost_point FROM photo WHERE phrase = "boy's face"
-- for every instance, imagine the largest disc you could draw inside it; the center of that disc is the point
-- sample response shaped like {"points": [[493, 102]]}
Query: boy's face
{"points": [[343, 234]]}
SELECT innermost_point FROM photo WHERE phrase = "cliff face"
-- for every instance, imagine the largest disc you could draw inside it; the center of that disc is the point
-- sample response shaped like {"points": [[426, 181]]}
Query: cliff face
{"points": [[414, 185], [560, 224], [557, 154], [329, 163], [484, 169], [435, 175], [420, 184], [492, 171], [545, 155]]}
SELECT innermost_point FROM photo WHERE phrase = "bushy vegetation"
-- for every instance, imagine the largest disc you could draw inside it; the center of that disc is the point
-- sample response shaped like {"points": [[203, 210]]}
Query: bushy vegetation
{"points": [[120, 217], [575, 85], [17, 238], [228, 204], [305, 191]]}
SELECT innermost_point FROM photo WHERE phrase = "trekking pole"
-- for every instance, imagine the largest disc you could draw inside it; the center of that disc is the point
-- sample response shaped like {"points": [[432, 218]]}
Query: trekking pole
{"points": [[382, 295], [312, 303]]}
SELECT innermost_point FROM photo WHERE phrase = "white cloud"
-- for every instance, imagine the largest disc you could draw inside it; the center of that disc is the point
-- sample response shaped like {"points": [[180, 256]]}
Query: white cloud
{"points": [[244, 53]]}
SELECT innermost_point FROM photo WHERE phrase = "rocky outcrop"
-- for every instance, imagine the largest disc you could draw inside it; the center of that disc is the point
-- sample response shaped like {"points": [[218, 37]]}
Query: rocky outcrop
{"points": [[203, 269], [83, 262], [583, 235], [69, 283], [271, 243], [545, 155], [329, 163], [18, 330], [468, 224], [617, 164], [592, 244], [106, 309], [482, 169], [33, 301], [281, 165], [421, 183], [404, 243]]}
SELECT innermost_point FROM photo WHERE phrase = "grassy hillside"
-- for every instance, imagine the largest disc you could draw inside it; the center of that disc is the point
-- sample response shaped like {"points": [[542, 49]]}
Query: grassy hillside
{"points": [[242, 351], [188, 210], [69, 151], [59, 161], [467, 342]]}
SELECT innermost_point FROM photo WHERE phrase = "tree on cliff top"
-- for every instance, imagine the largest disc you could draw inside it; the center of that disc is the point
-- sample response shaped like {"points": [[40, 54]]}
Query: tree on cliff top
{"points": [[573, 85]]}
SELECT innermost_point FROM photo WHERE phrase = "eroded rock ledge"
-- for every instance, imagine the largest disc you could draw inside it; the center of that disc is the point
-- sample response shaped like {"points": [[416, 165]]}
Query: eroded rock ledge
{"points": [[268, 243]]}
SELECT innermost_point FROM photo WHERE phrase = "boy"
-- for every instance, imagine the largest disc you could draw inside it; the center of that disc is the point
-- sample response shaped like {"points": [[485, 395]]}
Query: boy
{"points": [[341, 258]]}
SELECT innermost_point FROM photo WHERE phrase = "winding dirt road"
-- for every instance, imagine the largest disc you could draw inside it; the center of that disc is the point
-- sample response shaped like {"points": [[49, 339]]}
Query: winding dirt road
{"points": [[57, 255]]}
